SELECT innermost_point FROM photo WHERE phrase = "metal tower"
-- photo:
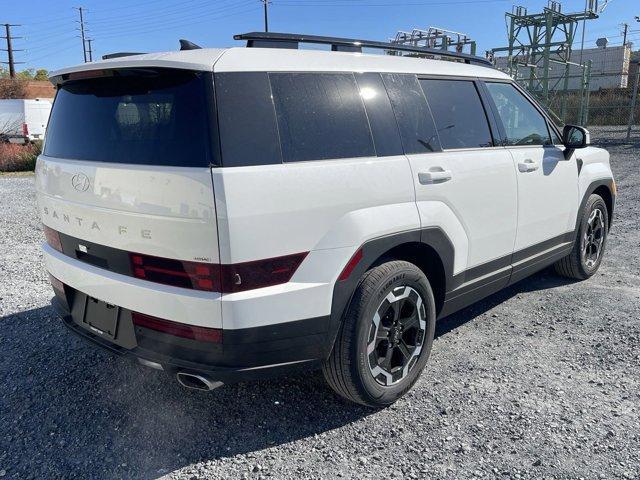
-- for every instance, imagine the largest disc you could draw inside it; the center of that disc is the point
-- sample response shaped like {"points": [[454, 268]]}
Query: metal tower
{"points": [[435, 37], [540, 43]]}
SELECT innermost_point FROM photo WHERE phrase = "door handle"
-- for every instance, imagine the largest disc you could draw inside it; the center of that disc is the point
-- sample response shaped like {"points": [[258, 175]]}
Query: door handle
{"points": [[527, 166], [434, 175]]}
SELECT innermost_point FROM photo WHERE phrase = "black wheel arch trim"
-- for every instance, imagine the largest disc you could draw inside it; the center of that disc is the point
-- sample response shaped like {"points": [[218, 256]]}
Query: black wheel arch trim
{"points": [[372, 251], [593, 186]]}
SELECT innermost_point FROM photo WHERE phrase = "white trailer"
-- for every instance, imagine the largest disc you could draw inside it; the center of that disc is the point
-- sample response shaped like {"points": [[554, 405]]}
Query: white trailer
{"points": [[24, 121]]}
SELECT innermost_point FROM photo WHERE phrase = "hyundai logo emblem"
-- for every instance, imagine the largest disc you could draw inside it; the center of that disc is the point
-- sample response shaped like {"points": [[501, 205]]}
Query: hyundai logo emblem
{"points": [[80, 182]]}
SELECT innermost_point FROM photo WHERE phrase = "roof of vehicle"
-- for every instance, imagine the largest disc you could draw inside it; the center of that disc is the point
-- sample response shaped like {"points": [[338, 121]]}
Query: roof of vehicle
{"points": [[242, 59]]}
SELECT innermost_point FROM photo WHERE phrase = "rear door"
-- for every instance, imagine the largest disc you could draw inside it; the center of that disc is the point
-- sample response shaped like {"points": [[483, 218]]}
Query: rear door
{"points": [[547, 182], [126, 165], [464, 182]]}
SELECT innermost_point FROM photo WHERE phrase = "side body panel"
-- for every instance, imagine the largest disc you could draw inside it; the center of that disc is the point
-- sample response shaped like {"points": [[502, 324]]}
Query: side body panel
{"points": [[328, 208]]}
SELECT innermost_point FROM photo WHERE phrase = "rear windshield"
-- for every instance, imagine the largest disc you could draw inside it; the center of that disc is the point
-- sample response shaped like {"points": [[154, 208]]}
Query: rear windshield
{"points": [[148, 117]]}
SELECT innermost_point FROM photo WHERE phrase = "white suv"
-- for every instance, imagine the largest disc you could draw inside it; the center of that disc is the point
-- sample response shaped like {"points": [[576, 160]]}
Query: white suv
{"points": [[222, 214]]}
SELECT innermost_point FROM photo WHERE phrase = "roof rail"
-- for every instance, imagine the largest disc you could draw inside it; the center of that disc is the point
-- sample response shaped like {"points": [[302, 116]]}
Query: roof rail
{"points": [[291, 40]]}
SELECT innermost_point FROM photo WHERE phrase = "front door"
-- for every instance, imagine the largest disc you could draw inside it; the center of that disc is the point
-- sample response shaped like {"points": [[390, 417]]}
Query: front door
{"points": [[547, 182]]}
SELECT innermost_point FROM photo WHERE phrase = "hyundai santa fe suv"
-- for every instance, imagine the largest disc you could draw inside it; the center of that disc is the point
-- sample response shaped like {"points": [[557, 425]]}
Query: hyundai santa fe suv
{"points": [[225, 214]]}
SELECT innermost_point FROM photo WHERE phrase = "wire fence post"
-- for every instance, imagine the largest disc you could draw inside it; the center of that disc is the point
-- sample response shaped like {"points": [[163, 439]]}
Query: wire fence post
{"points": [[633, 102]]}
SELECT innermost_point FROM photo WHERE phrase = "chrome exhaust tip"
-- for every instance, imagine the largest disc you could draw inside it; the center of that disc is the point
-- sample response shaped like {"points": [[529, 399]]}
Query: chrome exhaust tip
{"points": [[197, 382]]}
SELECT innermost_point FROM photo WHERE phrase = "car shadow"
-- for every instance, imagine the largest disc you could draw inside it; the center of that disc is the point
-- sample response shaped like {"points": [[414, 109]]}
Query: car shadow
{"points": [[71, 410], [543, 280]]}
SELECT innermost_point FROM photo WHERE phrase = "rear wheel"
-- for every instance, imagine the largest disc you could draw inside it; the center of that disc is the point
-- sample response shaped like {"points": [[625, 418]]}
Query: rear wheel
{"points": [[386, 336], [588, 248]]}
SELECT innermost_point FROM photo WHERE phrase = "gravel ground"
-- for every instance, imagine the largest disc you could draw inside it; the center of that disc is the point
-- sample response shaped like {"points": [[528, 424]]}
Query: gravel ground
{"points": [[541, 380]]}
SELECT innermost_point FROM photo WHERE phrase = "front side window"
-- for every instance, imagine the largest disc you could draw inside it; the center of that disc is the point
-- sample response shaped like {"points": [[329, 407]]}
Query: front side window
{"points": [[320, 116], [458, 113], [523, 123]]}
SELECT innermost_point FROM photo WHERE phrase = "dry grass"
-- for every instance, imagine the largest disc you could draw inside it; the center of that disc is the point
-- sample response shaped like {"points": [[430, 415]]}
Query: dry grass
{"points": [[19, 158]]}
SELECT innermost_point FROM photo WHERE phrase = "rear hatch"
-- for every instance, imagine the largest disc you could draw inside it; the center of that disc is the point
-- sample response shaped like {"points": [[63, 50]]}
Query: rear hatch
{"points": [[126, 165]]}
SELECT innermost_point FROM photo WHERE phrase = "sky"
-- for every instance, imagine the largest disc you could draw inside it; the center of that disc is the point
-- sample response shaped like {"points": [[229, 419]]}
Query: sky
{"points": [[50, 29]]}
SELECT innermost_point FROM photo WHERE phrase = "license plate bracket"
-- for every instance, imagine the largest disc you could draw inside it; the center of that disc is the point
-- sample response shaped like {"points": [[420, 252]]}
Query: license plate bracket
{"points": [[101, 317]]}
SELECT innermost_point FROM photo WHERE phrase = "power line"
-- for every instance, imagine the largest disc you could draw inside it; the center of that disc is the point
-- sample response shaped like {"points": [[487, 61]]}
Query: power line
{"points": [[175, 23], [165, 18], [10, 49]]}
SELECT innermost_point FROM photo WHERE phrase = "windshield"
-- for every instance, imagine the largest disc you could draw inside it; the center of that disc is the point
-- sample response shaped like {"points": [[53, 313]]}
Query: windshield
{"points": [[148, 117]]}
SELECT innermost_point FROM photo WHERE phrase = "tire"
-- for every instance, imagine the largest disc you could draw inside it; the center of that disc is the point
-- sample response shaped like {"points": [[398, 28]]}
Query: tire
{"points": [[580, 263], [399, 296]]}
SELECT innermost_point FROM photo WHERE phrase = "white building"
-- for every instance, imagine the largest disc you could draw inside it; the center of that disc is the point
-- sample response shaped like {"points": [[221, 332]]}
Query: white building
{"points": [[609, 68]]}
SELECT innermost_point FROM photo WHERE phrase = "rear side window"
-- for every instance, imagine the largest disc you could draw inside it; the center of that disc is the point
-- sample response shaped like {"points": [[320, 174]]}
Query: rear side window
{"points": [[523, 123], [381, 119], [248, 131], [458, 113], [320, 116], [147, 117], [415, 123]]}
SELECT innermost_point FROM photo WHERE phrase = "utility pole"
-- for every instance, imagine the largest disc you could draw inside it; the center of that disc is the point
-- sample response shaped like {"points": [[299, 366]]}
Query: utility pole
{"points": [[84, 43], [10, 50], [89, 50], [266, 14], [625, 27]]}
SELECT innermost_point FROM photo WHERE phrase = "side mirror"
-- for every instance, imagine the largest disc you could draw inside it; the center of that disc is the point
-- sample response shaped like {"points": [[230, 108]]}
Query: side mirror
{"points": [[574, 136]]}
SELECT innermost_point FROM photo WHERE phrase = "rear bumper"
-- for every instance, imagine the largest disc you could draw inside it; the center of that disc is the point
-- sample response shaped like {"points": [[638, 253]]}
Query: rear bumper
{"points": [[252, 354]]}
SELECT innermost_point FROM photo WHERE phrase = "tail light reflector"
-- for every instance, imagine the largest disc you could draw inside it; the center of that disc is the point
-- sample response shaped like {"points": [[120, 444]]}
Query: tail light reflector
{"points": [[53, 238], [192, 332], [57, 285], [351, 264], [25, 130]]}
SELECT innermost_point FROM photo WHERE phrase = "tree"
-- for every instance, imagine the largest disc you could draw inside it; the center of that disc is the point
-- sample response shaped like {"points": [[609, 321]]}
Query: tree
{"points": [[41, 74], [25, 74]]}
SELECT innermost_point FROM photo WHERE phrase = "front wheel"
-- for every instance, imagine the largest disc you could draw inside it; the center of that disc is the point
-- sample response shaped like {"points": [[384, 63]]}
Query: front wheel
{"points": [[591, 239], [385, 337]]}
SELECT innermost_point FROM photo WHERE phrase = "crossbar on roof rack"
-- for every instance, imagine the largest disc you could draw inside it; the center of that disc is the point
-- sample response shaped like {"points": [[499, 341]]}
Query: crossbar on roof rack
{"points": [[291, 40]]}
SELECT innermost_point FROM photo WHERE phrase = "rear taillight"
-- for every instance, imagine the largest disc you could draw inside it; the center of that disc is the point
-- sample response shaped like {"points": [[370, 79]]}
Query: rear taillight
{"points": [[53, 238], [192, 332], [198, 276], [260, 273], [211, 277], [25, 130]]}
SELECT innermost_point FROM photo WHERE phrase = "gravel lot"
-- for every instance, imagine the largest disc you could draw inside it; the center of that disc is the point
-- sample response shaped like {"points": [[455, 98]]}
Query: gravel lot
{"points": [[539, 381]]}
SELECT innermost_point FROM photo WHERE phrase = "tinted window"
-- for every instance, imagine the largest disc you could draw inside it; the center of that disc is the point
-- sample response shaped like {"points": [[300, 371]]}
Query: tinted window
{"points": [[415, 123], [458, 113], [151, 117], [381, 119], [320, 115], [248, 132], [523, 123]]}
